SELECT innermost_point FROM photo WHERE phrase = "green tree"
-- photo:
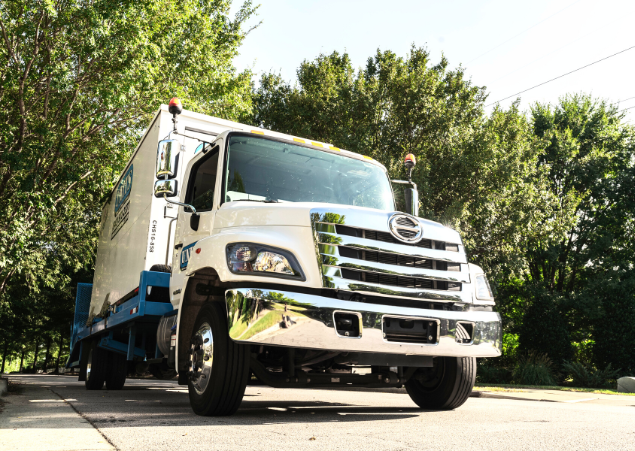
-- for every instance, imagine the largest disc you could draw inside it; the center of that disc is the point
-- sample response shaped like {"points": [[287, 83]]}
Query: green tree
{"points": [[586, 273], [79, 82]]}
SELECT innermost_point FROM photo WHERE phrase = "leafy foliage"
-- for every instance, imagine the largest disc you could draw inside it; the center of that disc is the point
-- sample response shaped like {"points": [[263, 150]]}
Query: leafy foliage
{"points": [[490, 374], [582, 376], [80, 80], [534, 369], [580, 283]]}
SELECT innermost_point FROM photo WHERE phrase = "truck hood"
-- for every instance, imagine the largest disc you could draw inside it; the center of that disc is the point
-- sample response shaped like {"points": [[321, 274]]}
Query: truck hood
{"points": [[244, 214]]}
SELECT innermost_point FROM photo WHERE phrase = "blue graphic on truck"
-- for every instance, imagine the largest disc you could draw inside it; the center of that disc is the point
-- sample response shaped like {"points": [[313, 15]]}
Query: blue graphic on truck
{"points": [[123, 190], [186, 253]]}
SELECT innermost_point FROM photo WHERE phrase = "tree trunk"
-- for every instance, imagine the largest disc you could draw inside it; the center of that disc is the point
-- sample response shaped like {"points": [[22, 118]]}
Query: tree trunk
{"points": [[59, 353], [21, 360], [47, 356], [35, 356], [4, 354]]}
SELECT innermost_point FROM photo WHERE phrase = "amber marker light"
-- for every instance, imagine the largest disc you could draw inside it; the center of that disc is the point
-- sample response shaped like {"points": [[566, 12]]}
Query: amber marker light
{"points": [[175, 106]]}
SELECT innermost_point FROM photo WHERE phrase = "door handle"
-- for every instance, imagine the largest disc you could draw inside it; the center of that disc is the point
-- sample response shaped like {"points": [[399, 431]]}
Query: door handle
{"points": [[178, 246]]}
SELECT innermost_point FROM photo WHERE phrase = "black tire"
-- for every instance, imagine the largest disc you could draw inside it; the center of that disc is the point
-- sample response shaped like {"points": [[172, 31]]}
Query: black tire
{"points": [[96, 367], [228, 372], [161, 268], [159, 294], [117, 371], [445, 386]]}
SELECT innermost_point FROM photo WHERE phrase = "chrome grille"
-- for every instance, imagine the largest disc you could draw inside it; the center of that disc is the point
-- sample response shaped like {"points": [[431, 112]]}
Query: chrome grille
{"points": [[388, 238], [396, 259], [374, 262]]}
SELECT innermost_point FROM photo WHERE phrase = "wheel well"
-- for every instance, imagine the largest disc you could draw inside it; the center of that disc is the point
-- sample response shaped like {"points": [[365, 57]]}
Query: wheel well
{"points": [[202, 287]]}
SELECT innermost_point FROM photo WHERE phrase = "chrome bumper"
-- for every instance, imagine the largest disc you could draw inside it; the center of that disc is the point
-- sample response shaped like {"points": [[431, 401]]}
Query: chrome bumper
{"points": [[284, 318]]}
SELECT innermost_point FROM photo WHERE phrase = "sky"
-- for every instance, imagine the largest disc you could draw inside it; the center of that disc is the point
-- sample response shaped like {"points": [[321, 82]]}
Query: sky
{"points": [[506, 46]]}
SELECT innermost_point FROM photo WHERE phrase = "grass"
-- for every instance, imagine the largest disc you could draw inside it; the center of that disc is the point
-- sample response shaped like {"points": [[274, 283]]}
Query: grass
{"points": [[263, 323], [519, 388]]}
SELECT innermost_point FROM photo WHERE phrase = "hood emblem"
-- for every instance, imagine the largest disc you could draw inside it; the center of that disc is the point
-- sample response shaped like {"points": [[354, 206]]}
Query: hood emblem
{"points": [[405, 228]]}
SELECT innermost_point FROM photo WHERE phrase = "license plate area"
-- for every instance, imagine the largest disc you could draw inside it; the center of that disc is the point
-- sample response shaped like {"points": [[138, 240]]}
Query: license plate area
{"points": [[401, 329]]}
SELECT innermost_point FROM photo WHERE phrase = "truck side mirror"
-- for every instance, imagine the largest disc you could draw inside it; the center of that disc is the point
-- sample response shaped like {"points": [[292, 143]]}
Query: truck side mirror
{"points": [[194, 221], [165, 188], [411, 196], [168, 158]]}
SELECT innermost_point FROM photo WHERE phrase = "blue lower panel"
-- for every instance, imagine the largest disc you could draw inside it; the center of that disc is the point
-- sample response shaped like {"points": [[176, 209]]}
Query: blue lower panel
{"points": [[136, 309], [116, 346]]}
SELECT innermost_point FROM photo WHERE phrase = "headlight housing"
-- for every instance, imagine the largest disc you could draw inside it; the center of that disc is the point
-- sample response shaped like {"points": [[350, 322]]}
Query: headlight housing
{"points": [[483, 290], [257, 259]]}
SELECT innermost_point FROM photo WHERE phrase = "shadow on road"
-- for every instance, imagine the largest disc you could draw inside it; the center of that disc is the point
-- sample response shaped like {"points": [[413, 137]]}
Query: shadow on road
{"points": [[147, 403]]}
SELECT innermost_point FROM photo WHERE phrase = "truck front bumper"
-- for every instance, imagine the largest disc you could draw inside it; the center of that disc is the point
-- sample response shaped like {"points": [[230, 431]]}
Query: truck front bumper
{"points": [[284, 318]]}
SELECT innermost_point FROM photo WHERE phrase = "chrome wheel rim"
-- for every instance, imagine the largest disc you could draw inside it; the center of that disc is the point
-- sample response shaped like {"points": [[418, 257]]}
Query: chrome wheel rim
{"points": [[89, 364], [201, 358]]}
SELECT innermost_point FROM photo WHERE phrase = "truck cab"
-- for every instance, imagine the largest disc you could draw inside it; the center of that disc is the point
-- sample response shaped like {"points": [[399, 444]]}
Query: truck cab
{"points": [[287, 262]]}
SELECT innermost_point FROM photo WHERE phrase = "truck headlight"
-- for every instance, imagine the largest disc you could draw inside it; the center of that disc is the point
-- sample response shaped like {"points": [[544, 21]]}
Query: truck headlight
{"points": [[483, 290], [256, 259]]}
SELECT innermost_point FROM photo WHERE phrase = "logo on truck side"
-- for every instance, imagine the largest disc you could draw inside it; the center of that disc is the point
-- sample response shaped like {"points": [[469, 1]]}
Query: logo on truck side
{"points": [[122, 203], [185, 255], [123, 190]]}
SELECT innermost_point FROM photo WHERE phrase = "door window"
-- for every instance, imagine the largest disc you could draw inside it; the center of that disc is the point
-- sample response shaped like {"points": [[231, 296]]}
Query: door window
{"points": [[200, 192]]}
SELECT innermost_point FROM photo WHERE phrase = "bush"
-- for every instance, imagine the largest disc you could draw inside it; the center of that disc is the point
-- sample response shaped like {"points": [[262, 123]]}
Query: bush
{"points": [[590, 377], [534, 369], [545, 327], [486, 374]]}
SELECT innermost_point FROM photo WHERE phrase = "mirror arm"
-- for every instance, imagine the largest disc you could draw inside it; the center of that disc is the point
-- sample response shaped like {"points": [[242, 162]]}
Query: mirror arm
{"points": [[405, 182], [179, 203], [191, 137]]}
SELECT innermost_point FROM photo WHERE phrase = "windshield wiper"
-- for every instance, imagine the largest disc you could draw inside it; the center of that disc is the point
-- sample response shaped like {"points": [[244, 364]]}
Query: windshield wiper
{"points": [[266, 201]]}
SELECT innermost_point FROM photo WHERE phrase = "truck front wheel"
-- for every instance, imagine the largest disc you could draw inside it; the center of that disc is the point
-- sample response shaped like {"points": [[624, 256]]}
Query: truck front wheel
{"points": [[445, 386], [218, 367]]}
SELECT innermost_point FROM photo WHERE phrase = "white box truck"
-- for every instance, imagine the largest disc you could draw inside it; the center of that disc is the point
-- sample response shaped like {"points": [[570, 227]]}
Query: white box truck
{"points": [[229, 252]]}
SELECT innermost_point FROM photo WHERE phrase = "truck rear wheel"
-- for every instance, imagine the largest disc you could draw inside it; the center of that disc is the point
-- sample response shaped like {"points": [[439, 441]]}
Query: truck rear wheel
{"points": [[445, 386], [117, 371], [218, 367], [96, 367]]}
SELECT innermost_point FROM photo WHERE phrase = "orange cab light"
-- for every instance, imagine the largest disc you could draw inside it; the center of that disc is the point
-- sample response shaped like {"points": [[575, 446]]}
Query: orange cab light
{"points": [[175, 106]]}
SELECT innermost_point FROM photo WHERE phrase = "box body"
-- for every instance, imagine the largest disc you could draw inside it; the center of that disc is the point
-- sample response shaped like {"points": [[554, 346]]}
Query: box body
{"points": [[137, 229]]}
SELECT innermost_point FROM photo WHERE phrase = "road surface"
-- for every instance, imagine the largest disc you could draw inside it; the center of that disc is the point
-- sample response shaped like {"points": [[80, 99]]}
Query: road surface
{"points": [[155, 415]]}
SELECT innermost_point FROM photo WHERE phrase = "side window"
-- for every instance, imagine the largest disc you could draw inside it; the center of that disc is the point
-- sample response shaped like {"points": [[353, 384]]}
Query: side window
{"points": [[200, 191]]}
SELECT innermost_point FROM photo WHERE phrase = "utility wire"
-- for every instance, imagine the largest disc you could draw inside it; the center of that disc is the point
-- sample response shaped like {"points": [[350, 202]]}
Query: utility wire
{"points": [[563, 75], [620, 111], [514, 37], [624, 100]]}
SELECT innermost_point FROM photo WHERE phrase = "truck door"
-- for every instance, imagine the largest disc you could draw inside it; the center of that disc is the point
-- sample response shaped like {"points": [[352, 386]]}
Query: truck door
{"points": [[199, 190]]}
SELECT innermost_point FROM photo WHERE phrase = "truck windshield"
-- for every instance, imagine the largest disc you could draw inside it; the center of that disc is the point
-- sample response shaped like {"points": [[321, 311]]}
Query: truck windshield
{"points": [[264, 170]]}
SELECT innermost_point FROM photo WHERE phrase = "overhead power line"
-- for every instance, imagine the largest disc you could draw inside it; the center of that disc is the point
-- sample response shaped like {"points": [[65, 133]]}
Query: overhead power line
{"points": [[621, 111], [522, 32], [624, 100], [563, 75]]}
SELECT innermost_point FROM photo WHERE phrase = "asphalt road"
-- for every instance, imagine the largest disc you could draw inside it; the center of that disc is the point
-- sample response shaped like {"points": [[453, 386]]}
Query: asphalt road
{"points": [[155, 415]]}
